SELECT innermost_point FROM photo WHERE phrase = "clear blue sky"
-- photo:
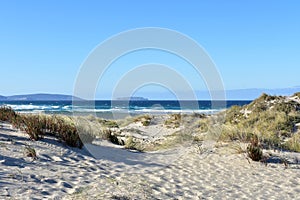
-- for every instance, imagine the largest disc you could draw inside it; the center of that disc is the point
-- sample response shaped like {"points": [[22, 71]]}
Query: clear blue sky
{"points": [[254, 44]]}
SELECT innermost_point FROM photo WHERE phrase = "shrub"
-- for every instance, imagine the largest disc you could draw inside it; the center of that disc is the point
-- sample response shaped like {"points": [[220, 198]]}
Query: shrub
{"points": [[235, 133], [65, 129], [36, 126], [233, 115], [137, 145], [18, 122], [131, 144], [174, 121], [7, 114], [202, 126], [297, 94], [33, 127], [108, 123], [146, 122], [293, 143], [253, 150], [144, 119], [271, 118], [261, 103], [286, 107], [107, 134], [199, 115]]}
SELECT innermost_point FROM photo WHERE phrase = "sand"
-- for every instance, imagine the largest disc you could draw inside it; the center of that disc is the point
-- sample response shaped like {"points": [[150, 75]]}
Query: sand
{"points": [[188, 172]]}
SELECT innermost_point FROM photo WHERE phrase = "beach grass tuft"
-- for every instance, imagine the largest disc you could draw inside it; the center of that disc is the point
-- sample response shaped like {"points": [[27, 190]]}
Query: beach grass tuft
{"points": [[174, 121], [30, 152], [144, 119], [36, 126], [254, 150], [132, 144]]}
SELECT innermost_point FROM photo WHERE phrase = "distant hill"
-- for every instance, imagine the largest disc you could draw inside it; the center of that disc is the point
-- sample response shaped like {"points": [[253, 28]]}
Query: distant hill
{"points": [[236, 94], [133, 98], [39, 97], [254, 93], [2, 98]]}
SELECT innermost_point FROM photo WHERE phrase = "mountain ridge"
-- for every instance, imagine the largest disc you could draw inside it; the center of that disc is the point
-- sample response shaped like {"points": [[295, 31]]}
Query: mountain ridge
{"points": [[39, 97], [230, 94]]}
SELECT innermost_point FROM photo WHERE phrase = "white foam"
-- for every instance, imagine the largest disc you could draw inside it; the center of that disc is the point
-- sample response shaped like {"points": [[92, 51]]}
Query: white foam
{"points": [[85, 109], [26, 107]]}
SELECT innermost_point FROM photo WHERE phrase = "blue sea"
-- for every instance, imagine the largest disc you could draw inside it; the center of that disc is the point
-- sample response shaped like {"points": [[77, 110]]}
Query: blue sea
{"points": [[105, 108]]}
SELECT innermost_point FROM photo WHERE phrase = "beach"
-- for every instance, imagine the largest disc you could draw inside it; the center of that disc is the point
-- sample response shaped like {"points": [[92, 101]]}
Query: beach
{"points": [[149, 100], [190, 171]]}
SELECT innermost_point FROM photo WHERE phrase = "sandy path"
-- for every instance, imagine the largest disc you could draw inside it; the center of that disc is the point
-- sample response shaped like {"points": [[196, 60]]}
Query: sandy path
{"points": [[214, 177]]}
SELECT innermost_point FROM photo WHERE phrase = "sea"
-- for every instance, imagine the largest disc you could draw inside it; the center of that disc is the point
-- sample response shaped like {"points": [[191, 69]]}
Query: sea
{"points": [[108, 109]]}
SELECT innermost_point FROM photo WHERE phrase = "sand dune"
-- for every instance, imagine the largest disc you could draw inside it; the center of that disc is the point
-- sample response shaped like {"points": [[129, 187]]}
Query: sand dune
{"points": [[61, 172]]}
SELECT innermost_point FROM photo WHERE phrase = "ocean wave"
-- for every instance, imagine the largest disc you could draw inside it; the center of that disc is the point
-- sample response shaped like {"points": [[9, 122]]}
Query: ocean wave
{"points": [[57, 108], [183, 111], [30, 107]]}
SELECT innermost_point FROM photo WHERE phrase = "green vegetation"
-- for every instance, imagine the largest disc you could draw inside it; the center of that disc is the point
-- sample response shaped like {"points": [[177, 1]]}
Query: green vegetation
{"points": [[7, 114], [170, 141], [107, 134], [253, 150], [132, 144], [36, 126], [174, 121], [297, 95], [144, 119], [293, 143], [267, 122], [272, 119], [108, 123], [176, 139]]}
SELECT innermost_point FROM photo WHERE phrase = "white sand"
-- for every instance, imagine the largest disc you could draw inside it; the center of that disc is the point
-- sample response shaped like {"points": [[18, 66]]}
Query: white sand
{"points": [[61, 172]]}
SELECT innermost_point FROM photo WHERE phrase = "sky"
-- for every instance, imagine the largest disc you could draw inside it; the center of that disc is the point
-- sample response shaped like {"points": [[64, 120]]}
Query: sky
{"points": [[43, 44]]}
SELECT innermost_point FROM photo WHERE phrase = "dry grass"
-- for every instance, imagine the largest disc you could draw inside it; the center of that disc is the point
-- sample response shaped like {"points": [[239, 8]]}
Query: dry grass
{"points": [[30, 152], [132, 144], [254, 150], [174, 121], [7, 114], [293, 144], [145, 120], [36, 126], [272, 119]]}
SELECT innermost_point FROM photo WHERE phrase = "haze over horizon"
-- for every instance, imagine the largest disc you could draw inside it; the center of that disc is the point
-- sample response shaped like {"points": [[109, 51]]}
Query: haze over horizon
{"points": [[238, 94], [43, 44]]}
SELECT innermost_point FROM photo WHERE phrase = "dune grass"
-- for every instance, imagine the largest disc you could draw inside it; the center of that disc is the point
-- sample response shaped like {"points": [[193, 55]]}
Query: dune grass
{"points": [[7, 114], [293, 144], [36, 126], [30, 152], [144, 119], [174, 121], [271, 118]]}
